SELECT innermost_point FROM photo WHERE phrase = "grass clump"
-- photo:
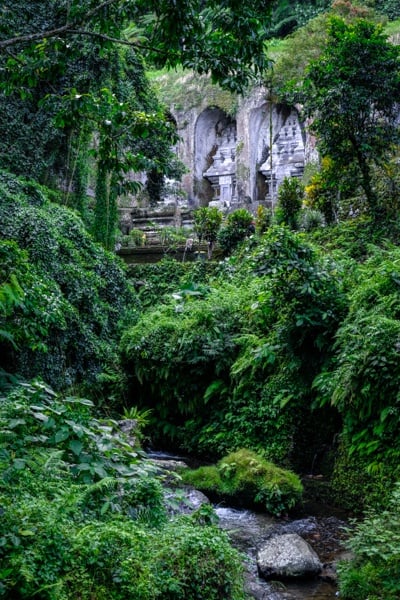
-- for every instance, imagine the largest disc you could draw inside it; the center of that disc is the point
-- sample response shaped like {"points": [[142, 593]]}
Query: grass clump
{"points": [[250, 480]]}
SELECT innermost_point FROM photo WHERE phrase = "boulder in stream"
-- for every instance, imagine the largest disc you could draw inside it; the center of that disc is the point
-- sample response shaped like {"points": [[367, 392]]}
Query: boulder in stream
{"points": [[287, 556]]}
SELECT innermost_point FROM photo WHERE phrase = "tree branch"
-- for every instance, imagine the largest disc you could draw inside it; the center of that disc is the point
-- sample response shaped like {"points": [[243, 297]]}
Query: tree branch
{"points": [[32, 37], [109, 38], [57, 31]]}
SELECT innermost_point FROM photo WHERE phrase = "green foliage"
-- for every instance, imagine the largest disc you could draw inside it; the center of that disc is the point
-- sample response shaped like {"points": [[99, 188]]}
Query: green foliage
{"points": [[363, 381], [354, 238], [74, 293], [355, 115], [197, 563], [216, 31], [288, 16], [176, 350], [230, 364], [75, 44], [292, 57], [156, 282], [137, 237], [310, 219], [246, 478], [263, 219], [81, 100], [321, 192], [354, 486], [171, 237], [14, 301], [238, 226], [84, 516], [185, 90], [206, 223], [34, 416], [389, 8], [290, 199], [373, 572]]}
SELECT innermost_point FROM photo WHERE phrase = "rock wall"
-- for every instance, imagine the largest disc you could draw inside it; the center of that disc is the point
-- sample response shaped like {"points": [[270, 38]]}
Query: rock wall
{"points": [[240, 160], [237, 150]]}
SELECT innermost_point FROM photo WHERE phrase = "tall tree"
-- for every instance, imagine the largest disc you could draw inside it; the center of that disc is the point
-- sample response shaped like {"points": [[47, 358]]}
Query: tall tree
{"points": [[353, 95]]}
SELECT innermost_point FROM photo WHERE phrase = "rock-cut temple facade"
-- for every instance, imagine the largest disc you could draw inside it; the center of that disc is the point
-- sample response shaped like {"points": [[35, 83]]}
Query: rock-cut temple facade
{"points": [[242, 160]]}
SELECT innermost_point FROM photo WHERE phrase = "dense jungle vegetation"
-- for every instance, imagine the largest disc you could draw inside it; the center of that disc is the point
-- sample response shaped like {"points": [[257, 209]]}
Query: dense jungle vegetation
{"points": [[284, 351]]}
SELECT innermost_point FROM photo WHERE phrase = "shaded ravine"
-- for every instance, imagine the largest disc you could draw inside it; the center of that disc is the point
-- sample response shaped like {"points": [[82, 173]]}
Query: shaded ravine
{"points": [[249, 529]]}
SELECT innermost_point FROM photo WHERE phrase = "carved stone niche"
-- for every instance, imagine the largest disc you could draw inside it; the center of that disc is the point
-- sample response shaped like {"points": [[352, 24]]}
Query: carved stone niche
{"points": [[215, 158], [222, 171], [288, 156]]}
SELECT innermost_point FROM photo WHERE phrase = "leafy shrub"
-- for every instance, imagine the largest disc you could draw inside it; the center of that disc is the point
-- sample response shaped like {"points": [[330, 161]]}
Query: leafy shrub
{"points": [[157, 282], [238, 226], [32, 304], [231, 365], [356, 237], [390, 8], [84, 516], [171, 237], [310, 219], [374, 571], [207, 221], [249, 479], [263, 219], [75, 293], [354, 486], [179, 562], [135, 238], [290, 198], [193, 563], [364, 379], [175, 352]]}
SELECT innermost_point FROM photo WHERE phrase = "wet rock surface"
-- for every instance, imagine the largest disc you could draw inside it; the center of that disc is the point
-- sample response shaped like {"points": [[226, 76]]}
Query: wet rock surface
{"points": [[286, 556], [326, 535], [249, 531]]}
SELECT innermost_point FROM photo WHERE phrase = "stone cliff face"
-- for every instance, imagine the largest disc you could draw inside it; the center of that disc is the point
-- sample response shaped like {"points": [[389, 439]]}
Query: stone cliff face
{"points": [[237, 150], [240, 160]]}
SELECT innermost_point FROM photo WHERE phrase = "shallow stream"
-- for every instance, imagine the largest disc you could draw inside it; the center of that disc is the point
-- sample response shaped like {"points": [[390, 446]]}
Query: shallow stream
{"points": [[248, 529]]}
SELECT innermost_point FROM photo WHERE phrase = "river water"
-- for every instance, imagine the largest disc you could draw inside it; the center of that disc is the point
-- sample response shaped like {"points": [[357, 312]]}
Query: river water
{"points": [[248, 529]]}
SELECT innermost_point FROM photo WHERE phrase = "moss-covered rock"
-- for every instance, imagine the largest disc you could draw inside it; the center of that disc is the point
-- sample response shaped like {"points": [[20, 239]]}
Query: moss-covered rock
{"points": [[247, 479]]}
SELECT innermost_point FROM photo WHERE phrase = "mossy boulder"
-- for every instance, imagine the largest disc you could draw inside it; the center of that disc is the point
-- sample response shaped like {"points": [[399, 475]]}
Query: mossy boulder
{"points": [[247, 479]]}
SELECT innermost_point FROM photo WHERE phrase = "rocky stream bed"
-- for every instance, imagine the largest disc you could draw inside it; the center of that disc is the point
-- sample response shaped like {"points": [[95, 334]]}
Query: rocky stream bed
{"points": [[249, 531]]}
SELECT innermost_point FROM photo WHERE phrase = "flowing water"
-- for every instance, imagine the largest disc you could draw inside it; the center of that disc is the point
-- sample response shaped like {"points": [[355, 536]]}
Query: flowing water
{"points": [[248, 529]]}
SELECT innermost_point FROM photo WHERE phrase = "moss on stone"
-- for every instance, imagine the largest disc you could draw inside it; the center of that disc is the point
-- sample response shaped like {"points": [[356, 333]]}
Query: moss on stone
{"points": [[247, 479], [184, 90]]}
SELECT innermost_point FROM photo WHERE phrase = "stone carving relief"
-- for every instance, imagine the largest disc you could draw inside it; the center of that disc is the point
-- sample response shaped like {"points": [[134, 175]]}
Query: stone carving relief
{"points": [[276, 150], [214, 157], [222, 171], [286, 158], [230, 163], [237, 162]]}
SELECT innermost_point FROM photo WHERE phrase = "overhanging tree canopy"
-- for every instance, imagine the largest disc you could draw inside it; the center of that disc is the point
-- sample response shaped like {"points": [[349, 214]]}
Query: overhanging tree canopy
{"points": [[223, 38], [62, 63]]}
